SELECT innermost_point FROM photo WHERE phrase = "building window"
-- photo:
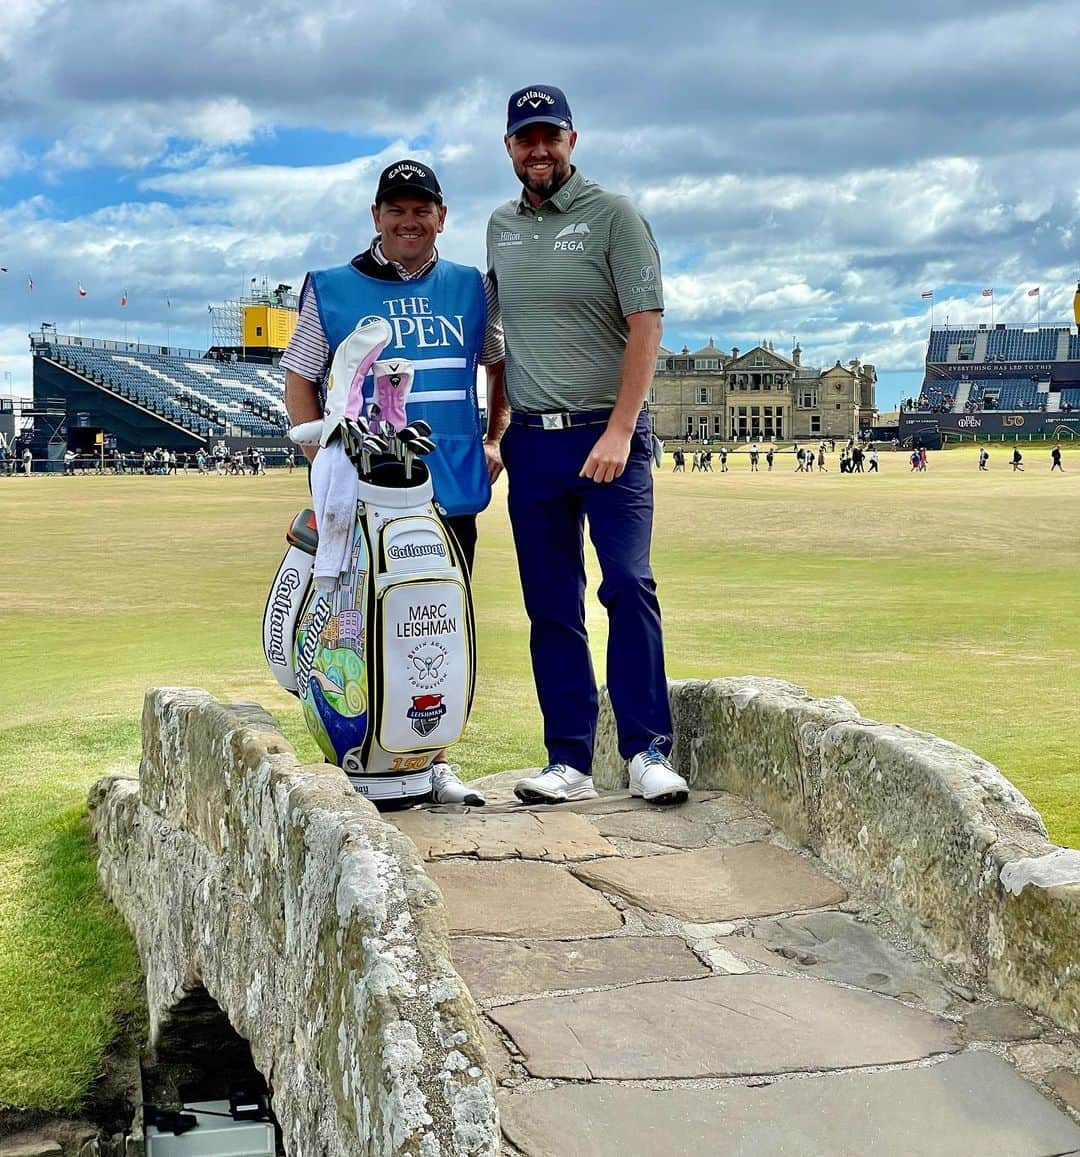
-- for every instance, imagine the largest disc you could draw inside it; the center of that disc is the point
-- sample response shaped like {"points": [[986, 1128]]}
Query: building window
{"points": [[706, 364], [703, 395], [815, 423], [718, 425], [689, 425], [838, 405], [807, 398], [703, 428]]}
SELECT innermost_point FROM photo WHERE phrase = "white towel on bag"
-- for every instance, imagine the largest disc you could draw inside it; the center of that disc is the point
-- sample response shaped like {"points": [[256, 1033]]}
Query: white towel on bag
{"points": [[334, 492]]}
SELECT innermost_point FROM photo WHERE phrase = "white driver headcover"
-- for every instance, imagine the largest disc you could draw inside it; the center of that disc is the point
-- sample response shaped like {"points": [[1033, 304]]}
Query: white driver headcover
{"points": [[352, 361]]}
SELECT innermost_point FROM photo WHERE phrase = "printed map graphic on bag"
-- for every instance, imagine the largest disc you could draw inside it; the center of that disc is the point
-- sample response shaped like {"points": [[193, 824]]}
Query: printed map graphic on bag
{"points": [[385, 661]]}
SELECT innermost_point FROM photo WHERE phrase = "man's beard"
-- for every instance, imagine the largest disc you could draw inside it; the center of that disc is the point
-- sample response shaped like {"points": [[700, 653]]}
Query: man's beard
{"points": [[559, 176]]}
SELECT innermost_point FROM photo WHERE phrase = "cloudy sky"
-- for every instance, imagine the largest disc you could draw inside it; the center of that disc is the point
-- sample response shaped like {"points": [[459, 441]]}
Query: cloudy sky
{"points": [[809, 170]]}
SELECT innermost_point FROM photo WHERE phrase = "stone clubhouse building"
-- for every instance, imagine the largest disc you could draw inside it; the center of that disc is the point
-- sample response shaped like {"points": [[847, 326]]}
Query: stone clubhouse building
{"points": [[758, 395]]}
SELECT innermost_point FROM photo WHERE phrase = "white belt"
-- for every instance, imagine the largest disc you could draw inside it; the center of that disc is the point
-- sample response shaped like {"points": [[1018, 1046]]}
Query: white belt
{"points": [[392, 785]]}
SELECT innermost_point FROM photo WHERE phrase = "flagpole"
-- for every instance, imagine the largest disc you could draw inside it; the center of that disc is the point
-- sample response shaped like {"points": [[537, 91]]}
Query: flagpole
{"points": [[991, 309]]}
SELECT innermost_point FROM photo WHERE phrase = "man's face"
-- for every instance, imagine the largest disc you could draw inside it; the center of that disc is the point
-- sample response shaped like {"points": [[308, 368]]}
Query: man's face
{"points": [[409, 226], [541, 157]]}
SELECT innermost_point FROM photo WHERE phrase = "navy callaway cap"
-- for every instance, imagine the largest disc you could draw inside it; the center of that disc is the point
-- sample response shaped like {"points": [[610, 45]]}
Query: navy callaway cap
{"points": [[408, 179], [538, 104]]}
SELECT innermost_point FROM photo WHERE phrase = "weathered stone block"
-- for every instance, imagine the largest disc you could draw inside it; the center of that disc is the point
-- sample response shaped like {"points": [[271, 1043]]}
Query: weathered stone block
{"points": [[928, 828], [310, 922]]}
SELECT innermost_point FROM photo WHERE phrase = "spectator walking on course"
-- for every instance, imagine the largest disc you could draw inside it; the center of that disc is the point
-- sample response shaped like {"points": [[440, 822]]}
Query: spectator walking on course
{"points": [[754, 457], [873, 460], [922, 458], [27, 461], [1055, 460], [769, 455], [1017, 460], [723, 459], [984, 457], [578, 448], [679, 458], [800, 459], [822, 468]]}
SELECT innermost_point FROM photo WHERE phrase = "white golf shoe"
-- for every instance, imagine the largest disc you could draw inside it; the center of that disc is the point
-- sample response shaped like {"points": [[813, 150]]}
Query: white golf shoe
{"points": [[446, 787], [557, 783], [654, 779]]}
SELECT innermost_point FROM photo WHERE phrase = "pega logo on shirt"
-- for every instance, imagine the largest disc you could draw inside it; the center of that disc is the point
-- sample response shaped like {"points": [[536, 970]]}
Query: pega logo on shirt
{"points": [[569, 232]]}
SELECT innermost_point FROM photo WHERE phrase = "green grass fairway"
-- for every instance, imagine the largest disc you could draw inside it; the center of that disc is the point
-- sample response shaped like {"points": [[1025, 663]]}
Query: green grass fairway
{"points": [[946, 601]]}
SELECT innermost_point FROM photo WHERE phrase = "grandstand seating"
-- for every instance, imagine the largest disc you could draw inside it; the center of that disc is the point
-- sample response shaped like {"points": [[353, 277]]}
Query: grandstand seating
{"points": [[1020, 345], [1007, 393], [941, 339], [933, 393], [1071, 397], [210, 398], [1074, 347]]}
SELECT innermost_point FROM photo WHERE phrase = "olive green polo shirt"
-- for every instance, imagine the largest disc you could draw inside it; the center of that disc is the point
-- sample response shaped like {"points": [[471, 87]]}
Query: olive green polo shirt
{"points": [[568, 274]]}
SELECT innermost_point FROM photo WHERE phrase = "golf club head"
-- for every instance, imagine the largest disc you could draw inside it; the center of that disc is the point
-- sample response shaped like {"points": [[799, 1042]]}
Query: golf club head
{"points": [[422, 446], [421, 427]]}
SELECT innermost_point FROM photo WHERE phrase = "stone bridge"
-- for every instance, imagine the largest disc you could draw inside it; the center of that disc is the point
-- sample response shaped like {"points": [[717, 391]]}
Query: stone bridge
{"points": [[855, 938]]}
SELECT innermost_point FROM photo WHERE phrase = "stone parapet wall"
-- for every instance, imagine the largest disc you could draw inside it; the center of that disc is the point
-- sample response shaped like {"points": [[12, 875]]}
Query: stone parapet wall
{"points": [[310, 922], [937, 835]]}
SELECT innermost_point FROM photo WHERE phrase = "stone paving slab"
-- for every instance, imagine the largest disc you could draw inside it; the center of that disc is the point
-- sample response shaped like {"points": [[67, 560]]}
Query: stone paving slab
{"points": [[526, 835], [939, 1111], [716, 883], [497, 1054], [521, 899], [521, 968], [1000, 1022], [726, 820], [836, 946], [718, 1027]]}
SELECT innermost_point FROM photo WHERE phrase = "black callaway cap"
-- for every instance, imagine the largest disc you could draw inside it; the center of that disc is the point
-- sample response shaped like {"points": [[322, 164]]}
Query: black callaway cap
{"points": [[408, 179]]}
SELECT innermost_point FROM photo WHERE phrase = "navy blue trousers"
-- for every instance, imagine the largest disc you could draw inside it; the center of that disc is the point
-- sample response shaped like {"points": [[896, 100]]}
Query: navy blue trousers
{"points": [[549, 505]]}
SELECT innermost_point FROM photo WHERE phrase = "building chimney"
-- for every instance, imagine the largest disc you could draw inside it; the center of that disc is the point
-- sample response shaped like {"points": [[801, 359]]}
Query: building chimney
{"points": [[796, 355], [734, 352]]}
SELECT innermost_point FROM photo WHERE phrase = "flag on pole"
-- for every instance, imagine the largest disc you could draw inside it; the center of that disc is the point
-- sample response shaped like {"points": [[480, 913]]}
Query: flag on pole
{"points": [[82, 292], [928, 296], [988, 293], [29, 284], [168, 304], [209, 309], [123, 298], [1034, 292], [3, 269]]}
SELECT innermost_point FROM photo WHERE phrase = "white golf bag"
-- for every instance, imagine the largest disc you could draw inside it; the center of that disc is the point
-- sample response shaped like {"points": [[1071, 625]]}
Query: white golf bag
{"points": [[381, 655]]}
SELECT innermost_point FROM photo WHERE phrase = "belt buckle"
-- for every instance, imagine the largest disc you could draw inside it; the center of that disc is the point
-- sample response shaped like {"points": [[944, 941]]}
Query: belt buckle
{"points": [[558, 421]]}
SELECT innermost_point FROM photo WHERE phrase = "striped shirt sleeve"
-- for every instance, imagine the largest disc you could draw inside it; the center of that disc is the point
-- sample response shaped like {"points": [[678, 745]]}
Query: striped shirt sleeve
{"points": [[308, 352], [494, 350]]}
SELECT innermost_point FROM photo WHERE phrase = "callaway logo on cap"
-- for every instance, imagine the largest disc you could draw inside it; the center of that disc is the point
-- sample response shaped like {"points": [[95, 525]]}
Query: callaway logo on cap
{"points": [[538, 104], [408, 179]]}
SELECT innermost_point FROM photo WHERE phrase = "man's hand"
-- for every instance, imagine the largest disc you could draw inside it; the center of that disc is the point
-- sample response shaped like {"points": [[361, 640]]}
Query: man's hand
{"points": [[493, 457], [607, 459]]}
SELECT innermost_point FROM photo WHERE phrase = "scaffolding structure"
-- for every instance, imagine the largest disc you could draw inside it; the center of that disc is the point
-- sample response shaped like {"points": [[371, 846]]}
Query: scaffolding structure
{"points": [[227, 318]]}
